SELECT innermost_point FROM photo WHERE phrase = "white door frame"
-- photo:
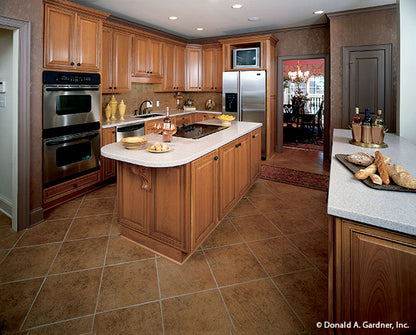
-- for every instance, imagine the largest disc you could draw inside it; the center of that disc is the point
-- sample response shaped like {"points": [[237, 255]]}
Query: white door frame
{"points": [[23, 120]]}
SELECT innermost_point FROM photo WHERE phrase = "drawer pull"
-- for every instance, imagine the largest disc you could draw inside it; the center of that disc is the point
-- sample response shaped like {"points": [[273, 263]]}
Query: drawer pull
{"points": [[215, 158], [78, 64], [72, 63], [75, 185]]}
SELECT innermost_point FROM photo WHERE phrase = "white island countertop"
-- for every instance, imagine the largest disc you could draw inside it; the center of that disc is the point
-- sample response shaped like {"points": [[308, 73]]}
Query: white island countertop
{"points": [[183, 151], [350, 198]]}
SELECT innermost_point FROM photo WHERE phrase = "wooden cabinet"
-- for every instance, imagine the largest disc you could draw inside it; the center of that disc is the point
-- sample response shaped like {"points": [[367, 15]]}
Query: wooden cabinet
{"points": [[235, 177], [147, 59], [108, 166], [72, 37], [172, 210], [255, 165], [374, 277], [204, 197], [173, 67], [193, 68], [212, 69], [186, 119], [116, 73]]}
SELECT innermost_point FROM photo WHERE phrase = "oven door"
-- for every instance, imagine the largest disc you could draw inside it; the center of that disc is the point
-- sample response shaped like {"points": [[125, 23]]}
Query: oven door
{"points": [[69, 156], [67, 105]]}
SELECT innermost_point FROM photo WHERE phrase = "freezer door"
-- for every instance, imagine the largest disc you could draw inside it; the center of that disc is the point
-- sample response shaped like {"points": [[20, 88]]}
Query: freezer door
{"points": [[253, 100], [230, 93]]}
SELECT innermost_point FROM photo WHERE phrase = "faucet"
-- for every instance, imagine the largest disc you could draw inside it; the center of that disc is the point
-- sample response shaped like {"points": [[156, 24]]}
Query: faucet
{"points": [[140, 108]]}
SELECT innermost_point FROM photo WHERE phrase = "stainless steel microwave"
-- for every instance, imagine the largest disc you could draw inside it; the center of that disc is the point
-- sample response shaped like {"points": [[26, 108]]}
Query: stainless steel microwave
{"points": [[246, 58]]}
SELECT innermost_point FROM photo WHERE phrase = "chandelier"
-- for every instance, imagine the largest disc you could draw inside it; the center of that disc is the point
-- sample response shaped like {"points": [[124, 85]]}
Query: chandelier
{"points": [[299, 76]]}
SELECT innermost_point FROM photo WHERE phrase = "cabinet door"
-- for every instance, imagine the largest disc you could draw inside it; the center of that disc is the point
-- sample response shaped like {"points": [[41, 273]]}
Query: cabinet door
{"points": [[59, 38], [208, 66], [107, 61], [140, 67], [227, 197], [204, 197], [169, 67], [218, 70], [169, 221], [155, 58], [179, 71], [193, 69], [255, 154], [89, 44], [108, 166], [121, 62], [378, 278], [243, 165], [198, 117]]}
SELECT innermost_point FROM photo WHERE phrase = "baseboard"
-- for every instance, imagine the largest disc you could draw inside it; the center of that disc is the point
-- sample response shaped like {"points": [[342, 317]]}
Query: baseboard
{"points": [[6, 206], [36, 216]]}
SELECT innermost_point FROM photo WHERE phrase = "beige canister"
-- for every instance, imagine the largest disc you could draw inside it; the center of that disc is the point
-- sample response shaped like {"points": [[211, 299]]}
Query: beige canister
{"points": [[122, 109], [113, 105]]}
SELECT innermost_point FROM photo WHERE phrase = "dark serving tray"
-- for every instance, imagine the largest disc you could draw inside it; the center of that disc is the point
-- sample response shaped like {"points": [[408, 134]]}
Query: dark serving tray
{"points": [[354, 168]]}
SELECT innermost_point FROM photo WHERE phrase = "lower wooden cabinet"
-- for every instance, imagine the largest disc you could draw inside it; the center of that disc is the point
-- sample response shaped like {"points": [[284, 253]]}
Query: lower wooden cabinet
{"points": [[108, 166], [235, 177], [374, 278], [255, 154], [172, 210]]}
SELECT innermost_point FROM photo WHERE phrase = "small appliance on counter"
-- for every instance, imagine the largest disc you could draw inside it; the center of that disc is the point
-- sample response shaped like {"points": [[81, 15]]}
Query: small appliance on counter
{"points": [[189, 106]]}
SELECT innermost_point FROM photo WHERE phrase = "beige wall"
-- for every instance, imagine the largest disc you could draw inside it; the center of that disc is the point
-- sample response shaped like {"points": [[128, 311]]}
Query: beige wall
{"points": [[140, 92], [32, 11], [355, 30]]}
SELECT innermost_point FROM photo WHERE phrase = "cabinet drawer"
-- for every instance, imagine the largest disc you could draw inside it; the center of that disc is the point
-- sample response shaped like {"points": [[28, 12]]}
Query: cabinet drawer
{"points": [[69, 187], [184, 119]]}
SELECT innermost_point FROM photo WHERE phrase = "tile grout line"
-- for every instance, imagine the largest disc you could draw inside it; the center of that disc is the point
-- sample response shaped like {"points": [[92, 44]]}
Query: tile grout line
{"points": [[50, 267], [13, 247], [160, 297], [270, 278], [58, 322], [103, 267], [218, 288]]}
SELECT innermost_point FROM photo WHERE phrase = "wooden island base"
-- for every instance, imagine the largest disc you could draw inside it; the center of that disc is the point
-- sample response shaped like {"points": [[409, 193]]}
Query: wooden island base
{"points": [[172, 210]]}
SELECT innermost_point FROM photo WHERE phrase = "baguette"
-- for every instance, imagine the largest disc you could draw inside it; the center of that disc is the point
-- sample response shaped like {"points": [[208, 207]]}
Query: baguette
{"points": [[369, 170], [381, 167], [401, 176], [376, 179]]}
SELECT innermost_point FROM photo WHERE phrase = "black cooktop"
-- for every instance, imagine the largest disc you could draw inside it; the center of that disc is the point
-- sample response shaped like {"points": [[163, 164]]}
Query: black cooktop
{"points": [[197, 130]]}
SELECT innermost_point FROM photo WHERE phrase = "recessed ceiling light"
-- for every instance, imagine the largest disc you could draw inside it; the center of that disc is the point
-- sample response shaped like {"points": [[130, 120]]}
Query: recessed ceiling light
{"points": [[199, 28], [237, 6], [173, 18], [254, 18], [318, 12]]}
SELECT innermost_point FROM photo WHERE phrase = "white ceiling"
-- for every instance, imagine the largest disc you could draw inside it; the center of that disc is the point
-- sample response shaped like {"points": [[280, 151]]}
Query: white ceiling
{"points": [[218, 18]]}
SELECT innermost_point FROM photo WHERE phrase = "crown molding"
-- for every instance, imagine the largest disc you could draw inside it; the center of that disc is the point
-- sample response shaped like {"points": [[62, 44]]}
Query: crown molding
{"points": [[360, 11]]}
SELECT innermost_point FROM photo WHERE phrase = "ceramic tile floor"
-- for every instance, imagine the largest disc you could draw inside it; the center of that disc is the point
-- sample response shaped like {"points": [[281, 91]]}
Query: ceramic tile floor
{"points": [[262, 271]]}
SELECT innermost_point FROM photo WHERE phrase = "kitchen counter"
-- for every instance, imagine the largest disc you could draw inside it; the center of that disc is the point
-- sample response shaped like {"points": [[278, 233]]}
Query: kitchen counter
{"points": [[351, 199], [184, 150], [131, 120]]}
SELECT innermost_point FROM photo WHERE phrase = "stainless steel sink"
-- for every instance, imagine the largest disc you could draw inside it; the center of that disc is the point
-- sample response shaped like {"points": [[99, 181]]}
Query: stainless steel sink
{"points": [[145, 116]]}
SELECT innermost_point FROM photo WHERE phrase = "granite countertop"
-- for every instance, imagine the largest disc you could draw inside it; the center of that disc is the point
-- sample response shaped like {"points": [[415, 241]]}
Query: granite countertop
{"points": [[131, 120], [183, 151], [350, 198]]}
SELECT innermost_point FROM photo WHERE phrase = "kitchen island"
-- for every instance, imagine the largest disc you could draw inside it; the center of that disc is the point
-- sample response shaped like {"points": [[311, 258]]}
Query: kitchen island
{"points": [[372, 235], [170, 202]]}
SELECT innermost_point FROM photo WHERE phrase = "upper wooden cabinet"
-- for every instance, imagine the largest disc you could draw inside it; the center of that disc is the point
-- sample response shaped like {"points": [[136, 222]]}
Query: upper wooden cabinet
{"points": [[147, 59], [193, 68], [174, 67], [116, 72], [212, 69], [72, 37]]}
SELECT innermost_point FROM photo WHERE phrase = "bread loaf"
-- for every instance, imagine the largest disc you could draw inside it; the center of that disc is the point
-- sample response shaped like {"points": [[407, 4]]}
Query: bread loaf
{"points": [[376, 179], [369, 170], [360, 158], [401, 176], [381, 167]]}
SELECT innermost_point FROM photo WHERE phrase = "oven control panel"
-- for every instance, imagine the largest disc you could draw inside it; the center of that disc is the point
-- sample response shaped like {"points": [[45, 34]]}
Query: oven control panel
{"points": [[71, 78]]}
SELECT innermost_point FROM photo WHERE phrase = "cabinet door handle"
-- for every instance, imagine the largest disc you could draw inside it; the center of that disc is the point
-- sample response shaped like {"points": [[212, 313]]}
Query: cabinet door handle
{"points": [[75, 185], [78, 64], [215, 158], [253, 136], [113, 132], [115, 87], [72, 63], [236, 145], [110, 88]]}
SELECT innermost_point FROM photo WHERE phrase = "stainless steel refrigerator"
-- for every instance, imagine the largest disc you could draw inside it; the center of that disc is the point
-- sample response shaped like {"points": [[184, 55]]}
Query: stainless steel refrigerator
{"points": [[244, 96]]}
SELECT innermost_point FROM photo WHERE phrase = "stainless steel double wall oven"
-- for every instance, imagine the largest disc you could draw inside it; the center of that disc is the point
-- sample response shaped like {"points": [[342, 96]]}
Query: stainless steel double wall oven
{"points": [[71, 125]]}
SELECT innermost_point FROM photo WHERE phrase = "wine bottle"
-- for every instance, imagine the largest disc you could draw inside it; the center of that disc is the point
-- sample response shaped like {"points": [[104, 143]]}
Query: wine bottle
{"points": [[167, 125], [367, 118], [357, 118], [379, 122]]}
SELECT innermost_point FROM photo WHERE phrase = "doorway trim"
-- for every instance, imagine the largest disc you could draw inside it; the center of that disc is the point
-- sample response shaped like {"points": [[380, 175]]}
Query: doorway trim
{"points": [[23, 119], [280, 60]]}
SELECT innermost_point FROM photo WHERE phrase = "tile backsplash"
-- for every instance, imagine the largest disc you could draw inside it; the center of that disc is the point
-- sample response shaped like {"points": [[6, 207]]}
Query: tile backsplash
{"points": [[140, 92]]}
